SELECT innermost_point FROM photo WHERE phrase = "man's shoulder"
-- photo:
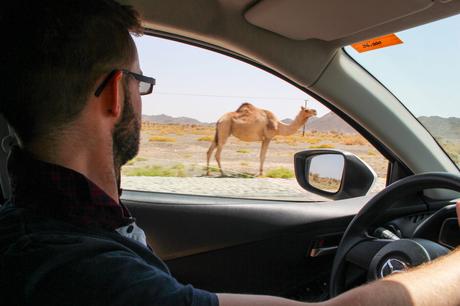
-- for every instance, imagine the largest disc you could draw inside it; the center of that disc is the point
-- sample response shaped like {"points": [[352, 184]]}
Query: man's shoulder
{"points": [[42, 238]]}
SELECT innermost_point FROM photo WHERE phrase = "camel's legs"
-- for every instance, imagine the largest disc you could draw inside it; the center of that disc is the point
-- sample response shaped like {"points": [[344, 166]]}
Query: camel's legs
{"points": [[263, 153], [218, 153], [223, 131], [209, 154]]}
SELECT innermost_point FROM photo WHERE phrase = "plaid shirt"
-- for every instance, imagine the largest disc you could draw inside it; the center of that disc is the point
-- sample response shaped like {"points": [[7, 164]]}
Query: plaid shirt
{"points": [[64, 194]]}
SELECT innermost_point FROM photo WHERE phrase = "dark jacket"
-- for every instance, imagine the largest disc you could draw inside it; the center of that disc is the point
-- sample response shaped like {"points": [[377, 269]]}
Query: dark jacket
{"points": [[44, 261]]}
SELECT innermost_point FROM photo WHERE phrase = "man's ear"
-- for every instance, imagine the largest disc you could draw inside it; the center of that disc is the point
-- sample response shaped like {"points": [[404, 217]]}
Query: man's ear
{"points": [[114, 97]]}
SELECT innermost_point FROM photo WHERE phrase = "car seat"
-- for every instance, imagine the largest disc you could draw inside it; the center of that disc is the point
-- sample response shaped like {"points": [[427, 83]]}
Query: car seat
{"points": [[7, 141]]}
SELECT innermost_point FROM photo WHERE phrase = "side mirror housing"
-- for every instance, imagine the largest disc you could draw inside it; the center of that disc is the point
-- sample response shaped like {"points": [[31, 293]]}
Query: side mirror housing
{"points": [[333, 174]]}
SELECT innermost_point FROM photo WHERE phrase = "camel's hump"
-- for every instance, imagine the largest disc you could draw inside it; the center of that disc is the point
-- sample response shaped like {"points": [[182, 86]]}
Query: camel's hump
{"points": [[246, 106]]}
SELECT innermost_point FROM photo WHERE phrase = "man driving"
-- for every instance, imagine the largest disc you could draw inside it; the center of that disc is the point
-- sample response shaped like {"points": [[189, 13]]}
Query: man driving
{"points": [[74, 101]]}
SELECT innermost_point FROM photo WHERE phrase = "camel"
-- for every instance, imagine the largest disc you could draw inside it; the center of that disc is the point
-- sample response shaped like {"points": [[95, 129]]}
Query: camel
{"points": [[249, 123]]}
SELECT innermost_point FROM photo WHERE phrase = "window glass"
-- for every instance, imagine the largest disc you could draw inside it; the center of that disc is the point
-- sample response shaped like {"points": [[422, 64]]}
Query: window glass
{"points": [[422, 72], [195, 88]]}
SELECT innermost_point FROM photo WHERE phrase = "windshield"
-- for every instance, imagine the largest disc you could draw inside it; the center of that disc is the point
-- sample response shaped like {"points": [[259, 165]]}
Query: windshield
{"points": [[423, 73]]}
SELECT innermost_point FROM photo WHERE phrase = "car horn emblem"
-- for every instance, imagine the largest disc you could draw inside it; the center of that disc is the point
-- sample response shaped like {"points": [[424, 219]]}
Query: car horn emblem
{"points": [[392, 266]]}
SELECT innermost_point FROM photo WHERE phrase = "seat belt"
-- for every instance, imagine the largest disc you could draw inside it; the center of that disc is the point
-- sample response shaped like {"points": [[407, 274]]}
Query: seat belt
{"points": [[7, 141]]}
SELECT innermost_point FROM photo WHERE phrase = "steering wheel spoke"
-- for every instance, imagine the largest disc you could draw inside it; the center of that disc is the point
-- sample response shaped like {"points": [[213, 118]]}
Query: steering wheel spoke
{"points": [[362, 253]]}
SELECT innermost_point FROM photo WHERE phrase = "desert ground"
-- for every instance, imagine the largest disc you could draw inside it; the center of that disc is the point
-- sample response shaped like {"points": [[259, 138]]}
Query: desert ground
{"points": [[174, 154]]}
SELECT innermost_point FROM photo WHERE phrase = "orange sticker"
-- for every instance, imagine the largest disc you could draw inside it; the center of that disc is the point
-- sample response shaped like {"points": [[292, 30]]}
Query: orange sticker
{"points": [[377, 43]]}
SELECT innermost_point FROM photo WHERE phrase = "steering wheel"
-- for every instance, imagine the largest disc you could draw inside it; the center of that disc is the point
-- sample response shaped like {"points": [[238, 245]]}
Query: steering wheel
{"points": [[381, 257]]}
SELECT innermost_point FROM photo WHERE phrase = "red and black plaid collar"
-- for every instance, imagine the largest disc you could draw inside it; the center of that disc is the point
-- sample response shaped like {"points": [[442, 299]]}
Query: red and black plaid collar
{"points": [[62, 193]]}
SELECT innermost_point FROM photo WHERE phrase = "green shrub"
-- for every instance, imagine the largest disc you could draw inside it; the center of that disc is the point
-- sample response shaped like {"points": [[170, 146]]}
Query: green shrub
{"points": [[244, 151], [162, 139], [280, 172], [322, 146], [212, 169], [206, 138], [135, 160], [243, 175], [177, 170]]}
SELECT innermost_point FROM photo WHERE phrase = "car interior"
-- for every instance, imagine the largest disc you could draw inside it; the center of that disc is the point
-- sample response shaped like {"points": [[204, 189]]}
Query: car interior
{"points": [[308, 251]]}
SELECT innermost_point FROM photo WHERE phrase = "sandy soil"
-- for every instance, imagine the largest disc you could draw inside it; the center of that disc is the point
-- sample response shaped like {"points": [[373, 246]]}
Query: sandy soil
{"points": [[167, 146], [183, 148]]}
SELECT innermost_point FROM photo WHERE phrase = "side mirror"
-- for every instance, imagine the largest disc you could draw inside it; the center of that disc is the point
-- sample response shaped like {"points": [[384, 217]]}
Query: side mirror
{"points": [[333, 174]]}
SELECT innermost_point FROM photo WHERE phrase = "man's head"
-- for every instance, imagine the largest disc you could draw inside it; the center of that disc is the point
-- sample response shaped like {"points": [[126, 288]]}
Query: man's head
{"points": [[53, 56]]}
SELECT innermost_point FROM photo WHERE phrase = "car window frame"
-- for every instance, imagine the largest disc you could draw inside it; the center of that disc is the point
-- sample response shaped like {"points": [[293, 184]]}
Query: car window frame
{"points": [[393, 161]]}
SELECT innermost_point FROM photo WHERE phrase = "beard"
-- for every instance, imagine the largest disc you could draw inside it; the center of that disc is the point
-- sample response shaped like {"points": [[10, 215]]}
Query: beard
{"points": [[126, 135]]}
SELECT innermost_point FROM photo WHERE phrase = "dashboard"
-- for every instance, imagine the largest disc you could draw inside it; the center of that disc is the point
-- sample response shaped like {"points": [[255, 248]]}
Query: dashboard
{"points": [[440, 226], [449, 234]]}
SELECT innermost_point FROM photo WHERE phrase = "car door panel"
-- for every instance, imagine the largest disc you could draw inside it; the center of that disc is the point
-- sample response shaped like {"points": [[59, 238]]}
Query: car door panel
{"points": [[187, 225], [237, 245]]}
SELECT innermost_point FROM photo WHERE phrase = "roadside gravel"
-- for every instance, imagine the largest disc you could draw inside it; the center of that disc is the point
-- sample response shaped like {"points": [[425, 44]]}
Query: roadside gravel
{"points": [[259, 188]]}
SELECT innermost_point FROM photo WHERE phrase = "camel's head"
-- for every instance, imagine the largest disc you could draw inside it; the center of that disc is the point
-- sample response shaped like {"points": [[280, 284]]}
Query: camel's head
{"points": [[307, 112]]}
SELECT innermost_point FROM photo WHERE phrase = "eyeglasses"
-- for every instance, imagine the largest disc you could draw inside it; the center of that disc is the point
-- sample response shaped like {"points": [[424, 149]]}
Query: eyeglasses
{"points": [[145, 83]]}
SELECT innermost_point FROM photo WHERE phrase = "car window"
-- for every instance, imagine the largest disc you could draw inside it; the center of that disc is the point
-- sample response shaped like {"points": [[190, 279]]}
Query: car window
{"points": [[195, 88], [422, 72]]}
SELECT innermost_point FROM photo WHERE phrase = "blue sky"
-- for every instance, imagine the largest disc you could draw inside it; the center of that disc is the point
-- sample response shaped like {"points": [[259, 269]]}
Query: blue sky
{"points": [[328, 166], [201, 84], [423, 72]]}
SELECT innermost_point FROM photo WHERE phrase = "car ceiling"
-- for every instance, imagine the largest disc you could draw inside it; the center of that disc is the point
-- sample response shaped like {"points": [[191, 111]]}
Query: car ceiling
{"points": [[282, 34], [343, 22]]}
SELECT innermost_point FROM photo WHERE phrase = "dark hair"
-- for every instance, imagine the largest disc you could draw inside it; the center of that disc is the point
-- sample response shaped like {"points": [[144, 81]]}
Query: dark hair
{"points": [[52, 53]]}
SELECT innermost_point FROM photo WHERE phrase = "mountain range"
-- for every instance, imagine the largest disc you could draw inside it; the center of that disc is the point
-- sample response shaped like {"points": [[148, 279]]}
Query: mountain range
{"points": [[438, 126], [327, 123], [442, 127], [165, 119]]}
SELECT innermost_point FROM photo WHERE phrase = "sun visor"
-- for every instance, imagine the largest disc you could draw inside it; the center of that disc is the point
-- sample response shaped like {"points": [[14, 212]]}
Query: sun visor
{"points": [[329, 19]]}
